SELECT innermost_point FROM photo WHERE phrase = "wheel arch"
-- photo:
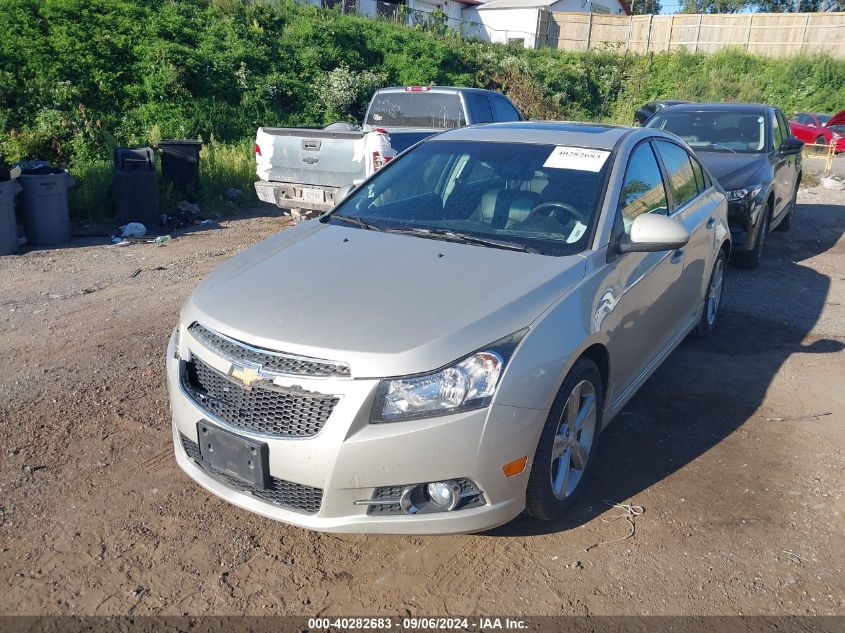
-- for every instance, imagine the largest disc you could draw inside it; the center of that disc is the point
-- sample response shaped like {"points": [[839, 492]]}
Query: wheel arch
{"points": [[598, 353]]}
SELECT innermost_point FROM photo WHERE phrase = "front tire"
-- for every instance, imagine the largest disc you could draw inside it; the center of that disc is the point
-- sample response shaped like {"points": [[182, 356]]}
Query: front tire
{"points": [[786, 223], [568, 444], [713, 299], [752, 258]]}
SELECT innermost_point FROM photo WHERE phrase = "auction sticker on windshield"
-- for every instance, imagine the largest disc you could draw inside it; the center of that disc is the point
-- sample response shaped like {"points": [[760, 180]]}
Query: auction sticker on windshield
{"points": [[576, 158]]}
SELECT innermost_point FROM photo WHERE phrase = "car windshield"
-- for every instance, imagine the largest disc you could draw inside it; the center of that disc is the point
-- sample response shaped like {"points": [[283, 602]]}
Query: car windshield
{"points": [[520, 196], [716, 131], [823, 118], [416, 109]]}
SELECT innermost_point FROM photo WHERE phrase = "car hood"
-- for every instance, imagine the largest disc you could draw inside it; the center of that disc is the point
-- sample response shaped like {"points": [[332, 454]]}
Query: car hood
{"points": [[732, 170], [838, 119], [386, 304]]}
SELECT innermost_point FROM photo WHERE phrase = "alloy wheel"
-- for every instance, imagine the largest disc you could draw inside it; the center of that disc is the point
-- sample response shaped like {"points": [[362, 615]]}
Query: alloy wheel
{"points": [[573, 441], [714, 296]]}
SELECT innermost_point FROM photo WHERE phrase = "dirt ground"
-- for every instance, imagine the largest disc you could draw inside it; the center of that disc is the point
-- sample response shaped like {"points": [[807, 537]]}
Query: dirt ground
{"points": [[734, 448]]}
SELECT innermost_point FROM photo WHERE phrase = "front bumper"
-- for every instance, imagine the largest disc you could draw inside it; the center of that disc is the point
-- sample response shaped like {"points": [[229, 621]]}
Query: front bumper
{"points": [[291, 196], [349, 458]]}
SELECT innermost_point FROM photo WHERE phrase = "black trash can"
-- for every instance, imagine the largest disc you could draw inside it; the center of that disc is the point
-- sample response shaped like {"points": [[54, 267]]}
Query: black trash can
{"points": [[8, 222], [180, 163], [45, 210], [135, 186]]}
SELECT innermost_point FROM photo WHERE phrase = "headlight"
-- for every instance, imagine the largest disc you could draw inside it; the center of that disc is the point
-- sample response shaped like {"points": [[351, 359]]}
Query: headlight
{"points": [[746, 193], [465, 385]]}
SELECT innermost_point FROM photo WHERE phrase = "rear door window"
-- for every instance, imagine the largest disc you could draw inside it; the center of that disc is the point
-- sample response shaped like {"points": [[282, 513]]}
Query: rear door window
{"points": [[682, 180], [479, 106], [777, 132], [503, 110], [787, 132], [700, 178]]}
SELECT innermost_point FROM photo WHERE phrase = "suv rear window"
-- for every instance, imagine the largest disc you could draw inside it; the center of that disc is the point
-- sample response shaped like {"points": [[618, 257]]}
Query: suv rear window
{"points": [[416, 109]]}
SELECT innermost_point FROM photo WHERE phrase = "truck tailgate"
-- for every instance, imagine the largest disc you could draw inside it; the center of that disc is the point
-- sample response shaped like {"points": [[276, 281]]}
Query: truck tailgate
{"points": [[312, 157]]}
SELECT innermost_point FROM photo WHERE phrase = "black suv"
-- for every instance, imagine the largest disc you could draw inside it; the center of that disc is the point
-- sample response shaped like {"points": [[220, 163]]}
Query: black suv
{"points": [[751, 151]]}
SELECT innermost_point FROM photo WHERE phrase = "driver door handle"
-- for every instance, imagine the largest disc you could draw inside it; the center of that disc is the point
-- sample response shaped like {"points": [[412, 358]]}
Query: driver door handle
{"points": [[677, 256]]}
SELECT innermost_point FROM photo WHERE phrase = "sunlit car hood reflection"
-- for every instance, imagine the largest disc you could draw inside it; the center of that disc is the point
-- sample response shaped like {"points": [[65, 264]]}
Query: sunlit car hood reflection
{"points": [[378, 301]]}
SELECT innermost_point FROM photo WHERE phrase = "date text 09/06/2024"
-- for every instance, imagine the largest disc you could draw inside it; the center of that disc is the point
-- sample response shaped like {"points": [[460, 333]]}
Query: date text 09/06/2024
{"points": [[417, 623]]}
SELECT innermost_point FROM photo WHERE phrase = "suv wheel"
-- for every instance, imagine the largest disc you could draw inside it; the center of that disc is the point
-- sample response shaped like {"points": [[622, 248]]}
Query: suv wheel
{"points": [[786, 223], [568, 444], [752, 258]]}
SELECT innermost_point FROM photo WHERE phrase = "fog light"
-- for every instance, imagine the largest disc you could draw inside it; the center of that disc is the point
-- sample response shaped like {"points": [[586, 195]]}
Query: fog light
{"points": [[444, 494]]}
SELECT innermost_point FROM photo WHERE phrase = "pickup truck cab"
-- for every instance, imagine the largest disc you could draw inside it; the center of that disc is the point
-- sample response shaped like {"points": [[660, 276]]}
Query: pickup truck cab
{"points": [[304, 169]]}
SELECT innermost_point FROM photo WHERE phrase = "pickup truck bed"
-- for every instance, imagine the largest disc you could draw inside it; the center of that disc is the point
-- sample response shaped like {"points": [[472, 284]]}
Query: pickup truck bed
{"points": [[304, 168]]}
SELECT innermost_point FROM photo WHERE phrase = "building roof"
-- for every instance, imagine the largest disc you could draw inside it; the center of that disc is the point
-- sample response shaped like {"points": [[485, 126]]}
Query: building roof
{"points": [[516, 4], [533, 4]]}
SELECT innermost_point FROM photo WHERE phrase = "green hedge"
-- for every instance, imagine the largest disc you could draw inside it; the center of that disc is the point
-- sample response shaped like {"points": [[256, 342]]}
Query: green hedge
{"points": [[78, 77]]}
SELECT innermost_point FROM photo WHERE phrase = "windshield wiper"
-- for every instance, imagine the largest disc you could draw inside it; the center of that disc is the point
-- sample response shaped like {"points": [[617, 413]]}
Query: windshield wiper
{"points": [[463, 238], [730, 149], [354, 220]]}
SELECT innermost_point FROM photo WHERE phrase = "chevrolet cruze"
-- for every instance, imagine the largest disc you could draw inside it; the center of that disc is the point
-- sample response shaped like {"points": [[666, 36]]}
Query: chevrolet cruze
{"points": [[441, 352]]}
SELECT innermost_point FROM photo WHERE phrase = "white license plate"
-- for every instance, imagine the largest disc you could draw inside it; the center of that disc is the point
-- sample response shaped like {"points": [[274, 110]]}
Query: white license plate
{"points": [[313, 195]]}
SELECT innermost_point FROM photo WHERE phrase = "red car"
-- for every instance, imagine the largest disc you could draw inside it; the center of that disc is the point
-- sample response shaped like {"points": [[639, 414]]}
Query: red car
{"points": [[821, 129]]}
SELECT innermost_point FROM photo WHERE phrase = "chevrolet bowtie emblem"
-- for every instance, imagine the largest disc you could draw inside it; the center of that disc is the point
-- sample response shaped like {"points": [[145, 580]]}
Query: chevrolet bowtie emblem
{"points": [[246, 375]]}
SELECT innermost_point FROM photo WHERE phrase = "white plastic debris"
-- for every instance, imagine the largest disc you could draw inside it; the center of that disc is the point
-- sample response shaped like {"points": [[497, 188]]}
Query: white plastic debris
{"points": [[833, 183], [133, 229]]}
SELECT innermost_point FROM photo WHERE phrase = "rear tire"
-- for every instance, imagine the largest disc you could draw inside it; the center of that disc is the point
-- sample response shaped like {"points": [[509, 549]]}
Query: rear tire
{"points": [[752, 258], [713, 299], [568, 444]]}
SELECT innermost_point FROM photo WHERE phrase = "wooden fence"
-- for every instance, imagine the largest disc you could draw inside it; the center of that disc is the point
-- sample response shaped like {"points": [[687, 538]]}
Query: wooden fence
{"points": [[775, 34]]}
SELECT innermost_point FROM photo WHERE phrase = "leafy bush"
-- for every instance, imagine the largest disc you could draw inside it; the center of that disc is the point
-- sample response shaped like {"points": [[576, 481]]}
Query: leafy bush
{"points": [[80, 77]]}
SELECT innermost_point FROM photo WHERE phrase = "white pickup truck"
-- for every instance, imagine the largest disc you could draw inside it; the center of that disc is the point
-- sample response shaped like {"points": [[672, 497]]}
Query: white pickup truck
{"points": [[305, 169]]}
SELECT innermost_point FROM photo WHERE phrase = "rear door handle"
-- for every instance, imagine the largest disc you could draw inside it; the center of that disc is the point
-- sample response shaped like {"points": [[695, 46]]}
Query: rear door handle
{"points": [[711, 223], [677, 256]]}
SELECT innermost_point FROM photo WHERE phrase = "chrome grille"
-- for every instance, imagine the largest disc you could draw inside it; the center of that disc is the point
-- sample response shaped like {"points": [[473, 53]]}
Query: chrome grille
{"points": [[283, 493], [261, 408], [273, 362]]}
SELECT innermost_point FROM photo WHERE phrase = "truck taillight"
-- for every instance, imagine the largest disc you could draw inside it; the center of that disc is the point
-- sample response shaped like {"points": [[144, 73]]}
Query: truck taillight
{"points": [[417, 88], [257, 149]]}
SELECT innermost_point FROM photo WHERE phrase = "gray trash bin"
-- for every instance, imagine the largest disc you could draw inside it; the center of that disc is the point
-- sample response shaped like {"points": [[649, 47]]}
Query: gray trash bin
{"points": [[8, 223], [135, 186], [46, 216]]}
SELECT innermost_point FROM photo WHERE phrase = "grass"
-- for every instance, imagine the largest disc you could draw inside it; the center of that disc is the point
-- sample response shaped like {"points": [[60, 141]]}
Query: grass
{"points": [[222, 166]]}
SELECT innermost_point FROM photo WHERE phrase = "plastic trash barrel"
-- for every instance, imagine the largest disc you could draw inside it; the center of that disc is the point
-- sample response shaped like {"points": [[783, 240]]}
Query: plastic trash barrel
{"points": [[135, 186], [46, 217], [180, 162], [8, 223]]}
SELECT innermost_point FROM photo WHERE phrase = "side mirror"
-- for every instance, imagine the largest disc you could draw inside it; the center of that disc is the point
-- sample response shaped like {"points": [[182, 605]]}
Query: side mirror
{"points": [[344, 191], [791, 145], [652, 233]]}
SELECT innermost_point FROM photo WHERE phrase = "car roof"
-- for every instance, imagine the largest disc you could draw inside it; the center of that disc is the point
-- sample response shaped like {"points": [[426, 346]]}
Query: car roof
{"points": [[718, 107], [591, 135], [435, 89]]}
